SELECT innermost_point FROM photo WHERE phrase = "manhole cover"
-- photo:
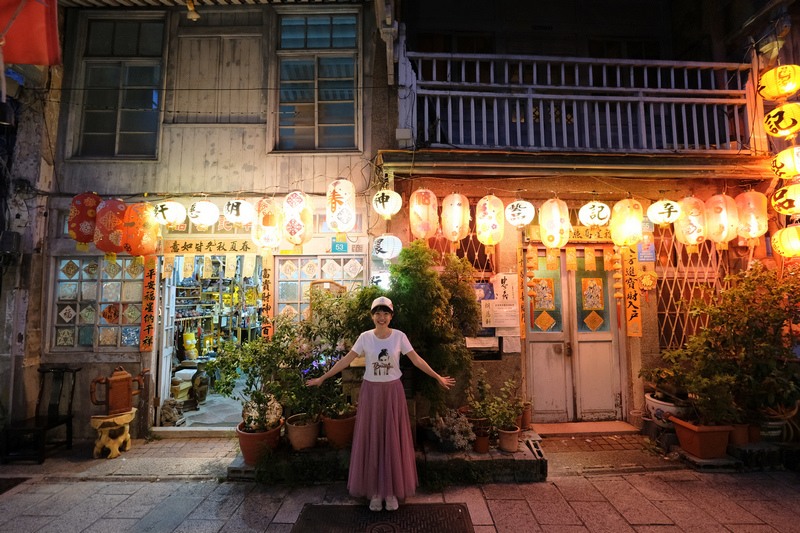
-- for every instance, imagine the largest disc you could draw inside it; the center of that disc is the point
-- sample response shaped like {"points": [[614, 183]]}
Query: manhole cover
{"points": [[412, 518]]}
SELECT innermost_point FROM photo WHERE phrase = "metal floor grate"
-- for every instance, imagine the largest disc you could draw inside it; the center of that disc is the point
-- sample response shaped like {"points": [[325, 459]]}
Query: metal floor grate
{"points": [[411, 518]]}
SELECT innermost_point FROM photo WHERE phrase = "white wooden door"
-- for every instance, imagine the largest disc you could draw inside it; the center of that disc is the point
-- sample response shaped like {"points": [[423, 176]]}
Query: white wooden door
{"points": [[574, 371], [166, 345]]}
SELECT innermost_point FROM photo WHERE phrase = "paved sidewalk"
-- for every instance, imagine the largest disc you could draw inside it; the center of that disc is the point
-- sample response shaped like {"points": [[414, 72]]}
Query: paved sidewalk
{"points": [[172, 485]]}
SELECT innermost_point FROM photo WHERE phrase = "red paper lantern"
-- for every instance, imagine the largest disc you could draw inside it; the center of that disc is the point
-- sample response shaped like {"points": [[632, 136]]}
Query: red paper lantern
{"points": [[108, 227], [140, 230], [82, 216]]}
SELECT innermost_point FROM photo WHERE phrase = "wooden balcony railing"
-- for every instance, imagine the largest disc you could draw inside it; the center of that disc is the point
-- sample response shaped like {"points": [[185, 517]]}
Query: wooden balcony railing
{"points": [[540, 104]]}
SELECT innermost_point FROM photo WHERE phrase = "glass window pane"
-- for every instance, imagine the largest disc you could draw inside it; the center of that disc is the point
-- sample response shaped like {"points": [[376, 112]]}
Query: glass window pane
{"points": [[68, 269], [89, 291], [337, 137], [287, 291], [319, 32], [336, 67], [293, 31], [297, 92], [138, 99], [86, 336], [297, 69], [111, 291], [336, 113], [137, 144], [139, 121], [101, 34], [344, 32], [102, 98], [336, 90], [297, 115], [152, 35], [296, 139], [100, 122], [97, 145], [142, 75], [102, 76], [126, 38]]}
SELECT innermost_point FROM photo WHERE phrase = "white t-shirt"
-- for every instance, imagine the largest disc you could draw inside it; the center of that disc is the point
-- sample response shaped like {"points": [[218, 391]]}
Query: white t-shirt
{"points": [[382, 355]]}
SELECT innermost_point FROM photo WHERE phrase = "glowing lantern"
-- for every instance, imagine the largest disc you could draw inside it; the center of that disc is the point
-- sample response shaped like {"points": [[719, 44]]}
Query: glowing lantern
{"points": [[455, 217], [170, 213], [108, 227], [297, 218], [387, 247], [554, 224], [239, 212], [423, 214], [268, 224], [520, 213], [341, 206], [722, 220], [664, 212], [786, 241], [203, 214], [786, 164], [594, 214], [752, 206], [783, 121], [786, 200], [82, 217], [140, 230], [626, 222], [690, 228], [490, 221], [387, 203], [779, 83]]}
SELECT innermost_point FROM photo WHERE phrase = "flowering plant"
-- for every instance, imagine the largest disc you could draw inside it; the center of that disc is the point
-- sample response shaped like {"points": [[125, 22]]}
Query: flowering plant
{"points": [[455, 428]]}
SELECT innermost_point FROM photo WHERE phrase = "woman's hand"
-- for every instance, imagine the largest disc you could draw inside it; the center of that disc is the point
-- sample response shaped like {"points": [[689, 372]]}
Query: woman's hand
{"points": [[316, 382], [446, 381]]}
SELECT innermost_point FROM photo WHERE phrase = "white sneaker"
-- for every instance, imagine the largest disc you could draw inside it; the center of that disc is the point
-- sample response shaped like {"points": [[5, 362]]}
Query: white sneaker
{"points": [[375, 504], [391, 503]]}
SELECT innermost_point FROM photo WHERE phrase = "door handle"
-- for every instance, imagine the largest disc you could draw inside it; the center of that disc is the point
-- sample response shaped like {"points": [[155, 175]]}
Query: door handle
{"points": [[568, 349]]}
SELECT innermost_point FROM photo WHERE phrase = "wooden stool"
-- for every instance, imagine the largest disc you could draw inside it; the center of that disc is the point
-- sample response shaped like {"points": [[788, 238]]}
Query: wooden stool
{"points": [[104, 424]]}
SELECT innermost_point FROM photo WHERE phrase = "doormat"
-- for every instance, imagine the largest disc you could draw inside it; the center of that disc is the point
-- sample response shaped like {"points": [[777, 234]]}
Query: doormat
{"points": [[411, 518], [8, 483]]}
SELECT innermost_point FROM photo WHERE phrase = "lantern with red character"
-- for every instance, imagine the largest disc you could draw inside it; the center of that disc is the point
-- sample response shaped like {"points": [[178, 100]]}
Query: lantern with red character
{"points": [[423, 213], [82, 217], [108, 227]]}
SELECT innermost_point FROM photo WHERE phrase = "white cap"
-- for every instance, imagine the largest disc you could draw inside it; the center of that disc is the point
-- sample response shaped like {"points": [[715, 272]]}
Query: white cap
{"points": [[383, 300]]}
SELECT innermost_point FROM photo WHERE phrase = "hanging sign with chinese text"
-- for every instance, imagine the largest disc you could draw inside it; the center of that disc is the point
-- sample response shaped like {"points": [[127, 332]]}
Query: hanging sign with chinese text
{"points": [[633, 312], [147, 327], [266, 294], [220, 246]]}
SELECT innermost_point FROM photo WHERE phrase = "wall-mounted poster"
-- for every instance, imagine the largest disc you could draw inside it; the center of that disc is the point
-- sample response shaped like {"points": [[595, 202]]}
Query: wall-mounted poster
{"points": [[543, 294], [592, 293], [484, 291]]}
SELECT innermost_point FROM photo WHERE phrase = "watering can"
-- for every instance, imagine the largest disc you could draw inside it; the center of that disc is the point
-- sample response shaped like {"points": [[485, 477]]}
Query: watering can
{"points": [[119, 393]]}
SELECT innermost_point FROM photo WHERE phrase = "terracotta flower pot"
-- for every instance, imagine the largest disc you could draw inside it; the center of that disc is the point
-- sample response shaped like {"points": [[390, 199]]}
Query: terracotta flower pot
{"points": [[253, 445], [508, 441], [705, 442], [481, 443], [339, 431], [302, 435], [740, 435], [526, 415]]}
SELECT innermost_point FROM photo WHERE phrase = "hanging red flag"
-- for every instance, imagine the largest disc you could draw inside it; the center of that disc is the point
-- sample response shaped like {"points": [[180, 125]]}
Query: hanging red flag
{"points": [[32, 38]]}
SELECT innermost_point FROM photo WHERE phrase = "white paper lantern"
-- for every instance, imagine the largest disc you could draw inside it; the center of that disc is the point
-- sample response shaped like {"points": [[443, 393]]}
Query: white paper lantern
{"points": [[520, 213], [594, 214], [267, 226], [455, 217], [554, 224], [170, 213], [387, 247], [664, 212], [423, 213], [239, 212], [752, 206], [340, 206], [690, 228], [722, 220], [297, 218], [387, 203], [626, 222], [490, 221], [203, 214]]}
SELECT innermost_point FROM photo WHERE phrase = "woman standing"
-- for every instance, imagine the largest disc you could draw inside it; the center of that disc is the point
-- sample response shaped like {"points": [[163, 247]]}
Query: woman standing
{"points": [[382, 462]]}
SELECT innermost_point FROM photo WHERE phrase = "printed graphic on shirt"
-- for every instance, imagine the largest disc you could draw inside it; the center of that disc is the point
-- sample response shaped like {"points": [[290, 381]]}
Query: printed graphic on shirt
{"points": [[382, 366]]}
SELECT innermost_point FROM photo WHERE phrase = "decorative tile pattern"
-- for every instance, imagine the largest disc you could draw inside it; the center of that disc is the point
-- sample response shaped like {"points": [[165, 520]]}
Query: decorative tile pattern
{"points": [[130, 336], [65, 337], [89, 291], [110, 313], [132, 292], [311, 269], [353, 268], [594, 321], [332, 269], [67, 314], [134, 270], [90, 269], [132, 314], [108, 336], [70, 269], [289, 270], [289, 310], [544, 321], [111, 291], [111, 270], [86, 336], [88, 314], [68, 291]]}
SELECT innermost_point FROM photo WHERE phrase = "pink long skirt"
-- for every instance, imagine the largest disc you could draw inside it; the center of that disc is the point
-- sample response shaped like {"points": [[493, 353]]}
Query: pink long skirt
{"points": [[382, 460]]}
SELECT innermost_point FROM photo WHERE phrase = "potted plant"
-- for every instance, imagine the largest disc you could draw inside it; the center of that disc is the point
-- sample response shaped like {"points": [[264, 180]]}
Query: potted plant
{"points": [[504, 410], [247, 373], [338, 415], [453, 431], [669, 396]]}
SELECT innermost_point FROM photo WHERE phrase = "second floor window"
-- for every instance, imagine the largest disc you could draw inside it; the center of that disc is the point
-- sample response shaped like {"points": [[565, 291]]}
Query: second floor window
{"points": [[318, 72], [121, 89]]}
